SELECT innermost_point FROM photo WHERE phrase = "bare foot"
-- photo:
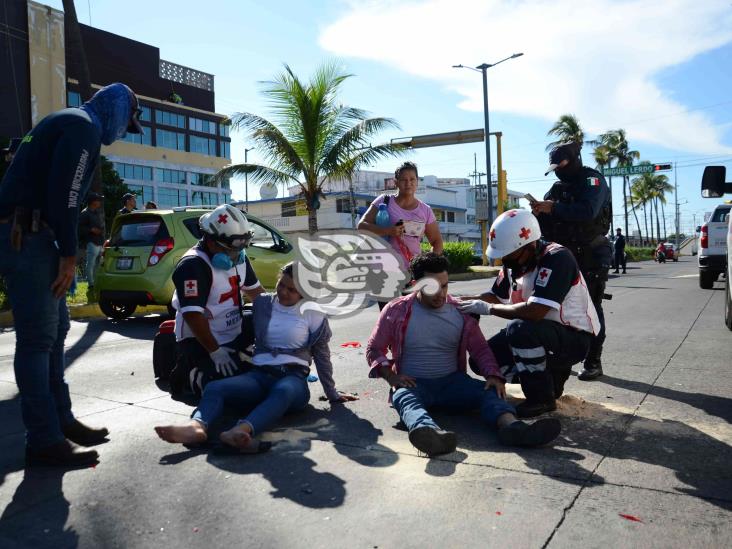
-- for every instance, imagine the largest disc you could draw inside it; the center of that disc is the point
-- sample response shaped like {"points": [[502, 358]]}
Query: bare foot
{"points": [[240, 437], [192, 433]]}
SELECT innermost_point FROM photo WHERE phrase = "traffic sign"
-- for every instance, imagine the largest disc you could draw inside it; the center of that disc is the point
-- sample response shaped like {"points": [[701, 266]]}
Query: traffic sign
{"points": [[636, 170]]}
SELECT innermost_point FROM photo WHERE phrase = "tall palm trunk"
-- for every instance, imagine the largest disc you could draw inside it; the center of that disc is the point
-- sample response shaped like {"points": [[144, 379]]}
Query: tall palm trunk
{"points": [[663, 213], [635, 212], [625, 203], [658, 222], [75, 44], [645, 220]]}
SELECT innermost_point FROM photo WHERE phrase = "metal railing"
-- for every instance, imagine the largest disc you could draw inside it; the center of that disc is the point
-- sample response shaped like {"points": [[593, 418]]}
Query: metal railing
{"points": [[186, 75]]}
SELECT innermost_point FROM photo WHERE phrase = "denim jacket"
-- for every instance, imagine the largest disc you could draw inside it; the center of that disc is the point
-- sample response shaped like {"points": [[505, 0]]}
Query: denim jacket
{"points": [[391, 329], [316, 349]]}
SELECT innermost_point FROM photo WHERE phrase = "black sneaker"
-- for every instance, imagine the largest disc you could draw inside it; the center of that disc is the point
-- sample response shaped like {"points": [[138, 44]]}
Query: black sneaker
{"points": [[433, 442], [592, 370], [83, 435], [533, 409], [61, 454], [539, 433]]}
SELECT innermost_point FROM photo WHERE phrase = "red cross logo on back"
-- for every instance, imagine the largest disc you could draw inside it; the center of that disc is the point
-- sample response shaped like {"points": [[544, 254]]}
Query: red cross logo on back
{"points": [[233, 293], [543, 274], [525, 233], [223, 218], [190, 284]]}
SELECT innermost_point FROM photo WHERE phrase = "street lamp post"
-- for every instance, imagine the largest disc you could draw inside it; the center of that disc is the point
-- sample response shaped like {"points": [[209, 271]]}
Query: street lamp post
{"points": [[484, 70], [246, 181]]}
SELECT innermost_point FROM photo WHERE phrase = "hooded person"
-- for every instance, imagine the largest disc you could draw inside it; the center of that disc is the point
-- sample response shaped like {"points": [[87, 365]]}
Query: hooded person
{"points": [[576, 213], [40, 198]]}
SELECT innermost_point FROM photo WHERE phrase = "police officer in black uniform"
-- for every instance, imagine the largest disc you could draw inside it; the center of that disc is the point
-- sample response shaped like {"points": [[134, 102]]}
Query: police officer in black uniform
{"points": [[576, 214], [40, 197]]}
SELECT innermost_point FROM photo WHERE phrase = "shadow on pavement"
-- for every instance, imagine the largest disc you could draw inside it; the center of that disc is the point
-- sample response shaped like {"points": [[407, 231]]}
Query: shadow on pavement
{"points": [[40, 485], [291, 473], [713, 405], [698, 459]]}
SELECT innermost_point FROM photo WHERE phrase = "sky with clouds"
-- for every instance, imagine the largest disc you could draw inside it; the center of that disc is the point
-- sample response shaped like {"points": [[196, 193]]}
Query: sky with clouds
{"points": [[658, 69]]}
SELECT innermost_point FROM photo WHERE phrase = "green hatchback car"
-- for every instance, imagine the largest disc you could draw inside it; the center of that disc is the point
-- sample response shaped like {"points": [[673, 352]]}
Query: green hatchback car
{"points": [[145, 246]]}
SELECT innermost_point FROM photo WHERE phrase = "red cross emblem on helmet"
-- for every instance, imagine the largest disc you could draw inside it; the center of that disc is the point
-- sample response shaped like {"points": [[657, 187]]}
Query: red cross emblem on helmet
{"points": [[511, 213], [493, 234], [223, 218], [525, 233]]}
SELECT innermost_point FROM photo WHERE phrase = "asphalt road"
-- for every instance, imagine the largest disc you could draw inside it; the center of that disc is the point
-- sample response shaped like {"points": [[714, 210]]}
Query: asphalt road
{"points": [[643, 460]]}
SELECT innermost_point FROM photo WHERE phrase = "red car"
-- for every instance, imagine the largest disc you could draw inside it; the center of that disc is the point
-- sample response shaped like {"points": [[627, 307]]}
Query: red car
{"points": [[670, 252]]}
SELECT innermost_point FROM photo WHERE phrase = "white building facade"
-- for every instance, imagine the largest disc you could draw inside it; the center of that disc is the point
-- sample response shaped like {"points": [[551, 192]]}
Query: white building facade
{"points": [[452, 200]]}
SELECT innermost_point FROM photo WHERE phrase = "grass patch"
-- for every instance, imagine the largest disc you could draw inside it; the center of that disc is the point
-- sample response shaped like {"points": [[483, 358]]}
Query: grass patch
{"points": [[79, 298], [639, 254]]}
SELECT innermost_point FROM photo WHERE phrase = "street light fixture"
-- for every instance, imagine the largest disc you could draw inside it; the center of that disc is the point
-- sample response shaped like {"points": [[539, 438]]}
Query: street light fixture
{"points": [[483, 69]]}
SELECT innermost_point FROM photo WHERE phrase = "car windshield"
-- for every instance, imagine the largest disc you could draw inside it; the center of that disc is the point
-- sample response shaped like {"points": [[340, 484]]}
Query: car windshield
{"points": [[139, 231]]}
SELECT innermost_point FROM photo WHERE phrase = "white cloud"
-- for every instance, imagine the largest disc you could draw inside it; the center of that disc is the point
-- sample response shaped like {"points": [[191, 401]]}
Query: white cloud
{"points": [[597, 59]]}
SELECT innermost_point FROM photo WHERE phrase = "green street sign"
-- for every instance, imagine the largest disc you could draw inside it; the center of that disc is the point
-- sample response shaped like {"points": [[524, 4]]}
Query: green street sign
{"points": [[630, 170]]}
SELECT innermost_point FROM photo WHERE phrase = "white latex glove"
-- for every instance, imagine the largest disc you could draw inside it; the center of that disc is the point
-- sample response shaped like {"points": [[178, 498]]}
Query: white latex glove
{"points": [[221, 358], [475, 307]]}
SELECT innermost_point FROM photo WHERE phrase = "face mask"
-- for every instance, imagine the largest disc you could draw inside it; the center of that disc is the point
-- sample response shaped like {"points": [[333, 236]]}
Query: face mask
{"points": [[222, 260], [568, 172]]}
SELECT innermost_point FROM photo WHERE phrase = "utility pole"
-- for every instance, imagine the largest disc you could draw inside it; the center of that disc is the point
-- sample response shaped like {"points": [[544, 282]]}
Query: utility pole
{"points": [[676, 200]]}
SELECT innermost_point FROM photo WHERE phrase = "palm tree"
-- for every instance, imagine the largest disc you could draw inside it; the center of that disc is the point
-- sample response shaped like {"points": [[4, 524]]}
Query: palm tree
{"points": [[617, 142], [641, 192], [603, 158], [568, 130], [77, 57], [311, 138], [659, 188]]}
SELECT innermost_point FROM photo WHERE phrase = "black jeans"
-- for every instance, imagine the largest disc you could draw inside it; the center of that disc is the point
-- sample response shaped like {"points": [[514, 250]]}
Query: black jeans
{"points": [[540, 353], [596, 281]]}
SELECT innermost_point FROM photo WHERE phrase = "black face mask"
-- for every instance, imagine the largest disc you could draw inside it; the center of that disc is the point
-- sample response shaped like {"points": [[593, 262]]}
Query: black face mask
{"points": [[568, 172], [518, 269]]}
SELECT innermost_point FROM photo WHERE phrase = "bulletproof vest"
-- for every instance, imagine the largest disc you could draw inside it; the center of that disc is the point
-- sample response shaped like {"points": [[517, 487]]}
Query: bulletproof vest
{"points": [[575, 233]]}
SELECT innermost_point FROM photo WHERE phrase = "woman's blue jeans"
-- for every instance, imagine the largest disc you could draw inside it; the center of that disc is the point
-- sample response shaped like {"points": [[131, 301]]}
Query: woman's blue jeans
{"points": [[267, 396]]}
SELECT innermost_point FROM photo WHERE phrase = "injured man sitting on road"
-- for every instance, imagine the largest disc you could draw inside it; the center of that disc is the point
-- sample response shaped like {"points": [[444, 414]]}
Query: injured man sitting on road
{"points": [[552, 319], [428, 338], [286, 341]]}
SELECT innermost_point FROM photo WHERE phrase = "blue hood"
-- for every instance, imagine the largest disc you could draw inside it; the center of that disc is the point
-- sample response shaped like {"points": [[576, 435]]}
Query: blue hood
{"points": [[111, 109]]}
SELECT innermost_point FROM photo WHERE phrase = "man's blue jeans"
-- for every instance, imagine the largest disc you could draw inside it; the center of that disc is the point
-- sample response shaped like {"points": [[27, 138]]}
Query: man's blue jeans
{"points": [[92, 255], [457, 392], [268, 397], [41, 324]]}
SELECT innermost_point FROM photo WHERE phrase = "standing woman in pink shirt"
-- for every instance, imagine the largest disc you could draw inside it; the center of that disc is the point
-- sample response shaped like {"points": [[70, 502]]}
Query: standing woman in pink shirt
{"points": [[410, 218]]}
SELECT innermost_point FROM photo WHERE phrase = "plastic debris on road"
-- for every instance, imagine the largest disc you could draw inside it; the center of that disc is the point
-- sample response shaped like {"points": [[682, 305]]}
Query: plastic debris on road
{"points": [[354, 344], [630, 518]]}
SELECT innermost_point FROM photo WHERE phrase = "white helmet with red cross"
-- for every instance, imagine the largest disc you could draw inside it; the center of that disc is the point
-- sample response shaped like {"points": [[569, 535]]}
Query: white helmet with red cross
{"points": [[510, 231], [228, 226]]}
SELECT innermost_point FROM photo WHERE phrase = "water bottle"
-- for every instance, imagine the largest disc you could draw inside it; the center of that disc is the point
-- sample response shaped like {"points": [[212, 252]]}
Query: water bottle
{"points": [[382, 216]]}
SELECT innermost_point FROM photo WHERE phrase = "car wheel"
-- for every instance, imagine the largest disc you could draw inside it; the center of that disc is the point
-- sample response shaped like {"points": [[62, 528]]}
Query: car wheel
{"points": [[728, 305], [706, 280], [117, 310]]}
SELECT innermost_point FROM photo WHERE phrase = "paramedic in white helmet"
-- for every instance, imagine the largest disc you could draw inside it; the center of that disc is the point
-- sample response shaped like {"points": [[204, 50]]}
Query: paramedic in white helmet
{"points": [[541, 291], [209, 280]]}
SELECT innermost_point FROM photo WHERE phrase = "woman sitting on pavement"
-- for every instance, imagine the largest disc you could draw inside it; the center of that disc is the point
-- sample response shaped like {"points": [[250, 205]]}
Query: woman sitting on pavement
{"points": [[286, 340]]}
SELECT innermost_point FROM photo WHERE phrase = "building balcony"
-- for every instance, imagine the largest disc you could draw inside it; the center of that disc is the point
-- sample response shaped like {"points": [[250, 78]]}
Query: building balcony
{"points": [[186, 75]]}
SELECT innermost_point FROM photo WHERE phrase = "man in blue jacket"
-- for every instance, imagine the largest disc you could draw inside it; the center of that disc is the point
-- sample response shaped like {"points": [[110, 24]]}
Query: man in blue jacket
{"points": [[40, 198]]}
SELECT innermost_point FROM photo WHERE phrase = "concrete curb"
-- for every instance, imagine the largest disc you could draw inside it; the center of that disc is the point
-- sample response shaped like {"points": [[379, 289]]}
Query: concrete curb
{"points": [[85, 311], [489, 272]]}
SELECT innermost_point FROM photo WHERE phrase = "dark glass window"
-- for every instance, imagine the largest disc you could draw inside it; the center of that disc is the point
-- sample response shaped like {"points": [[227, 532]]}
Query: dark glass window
{"points": [[73, 99], [170, 140], [168, 118]]}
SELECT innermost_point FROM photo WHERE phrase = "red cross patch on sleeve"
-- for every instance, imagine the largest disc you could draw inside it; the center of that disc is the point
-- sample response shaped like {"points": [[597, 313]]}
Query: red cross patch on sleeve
{"points": [[543, 277], [190, 288]]}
